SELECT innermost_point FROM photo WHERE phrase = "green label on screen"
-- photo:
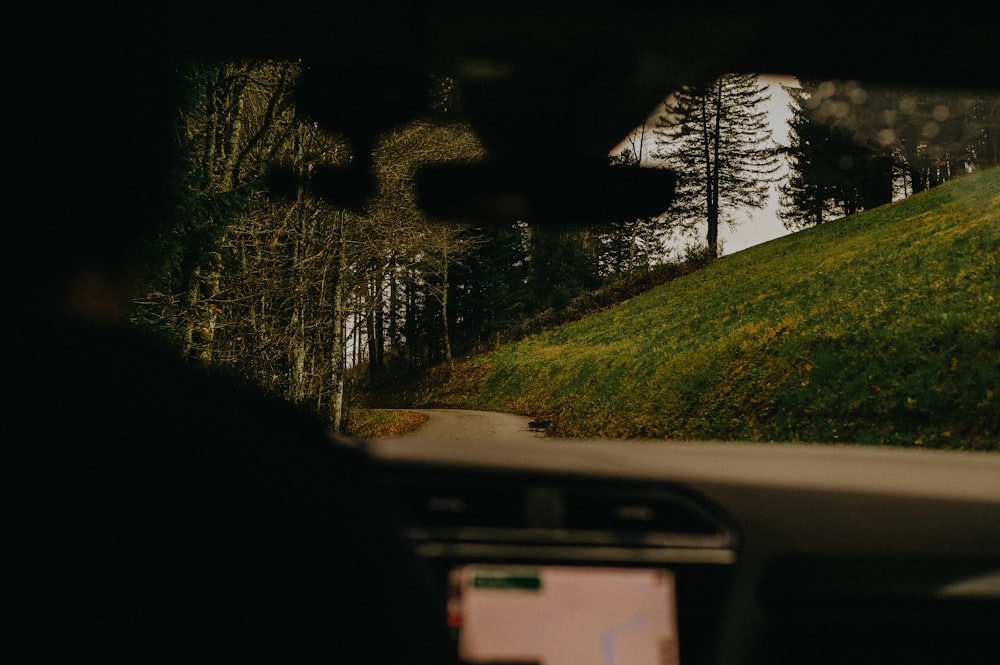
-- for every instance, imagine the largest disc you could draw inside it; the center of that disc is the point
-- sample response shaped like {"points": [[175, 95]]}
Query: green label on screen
{"points": [[506, 579]]}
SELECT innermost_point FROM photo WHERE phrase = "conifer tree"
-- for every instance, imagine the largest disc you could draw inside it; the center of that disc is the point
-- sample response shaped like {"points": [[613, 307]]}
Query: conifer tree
{"points": [[821, 159], [717, 138]]}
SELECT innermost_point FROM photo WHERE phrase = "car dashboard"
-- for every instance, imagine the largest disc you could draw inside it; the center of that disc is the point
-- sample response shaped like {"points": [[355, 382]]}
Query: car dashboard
{"points": [[710, 552]]}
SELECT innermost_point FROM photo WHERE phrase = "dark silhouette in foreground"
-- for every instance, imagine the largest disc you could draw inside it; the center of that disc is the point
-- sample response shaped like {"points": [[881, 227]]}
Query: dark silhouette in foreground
{"points": [[157, 512]]}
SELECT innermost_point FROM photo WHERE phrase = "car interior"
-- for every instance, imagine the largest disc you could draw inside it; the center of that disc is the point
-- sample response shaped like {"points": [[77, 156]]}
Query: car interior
{"points": [[565, 552]]}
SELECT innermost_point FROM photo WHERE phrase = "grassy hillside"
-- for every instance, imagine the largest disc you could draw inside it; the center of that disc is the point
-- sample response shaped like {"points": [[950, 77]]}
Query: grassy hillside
{"points": [[883, 327]]}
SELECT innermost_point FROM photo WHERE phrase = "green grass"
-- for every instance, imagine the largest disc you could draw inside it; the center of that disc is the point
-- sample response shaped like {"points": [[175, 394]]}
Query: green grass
{"points": [[879, 328]]}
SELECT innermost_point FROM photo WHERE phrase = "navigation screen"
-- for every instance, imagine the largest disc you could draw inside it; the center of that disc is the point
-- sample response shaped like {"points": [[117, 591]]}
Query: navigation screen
{"points": [[563, 615]]}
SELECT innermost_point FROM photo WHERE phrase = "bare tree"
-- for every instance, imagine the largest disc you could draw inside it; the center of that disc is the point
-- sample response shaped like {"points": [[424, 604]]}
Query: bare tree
{"points": [[270, 281], [406, 236]]}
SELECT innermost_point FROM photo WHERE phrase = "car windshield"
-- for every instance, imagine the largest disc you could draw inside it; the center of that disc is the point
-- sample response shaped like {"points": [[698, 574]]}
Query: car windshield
{"points": [[794, 260]]}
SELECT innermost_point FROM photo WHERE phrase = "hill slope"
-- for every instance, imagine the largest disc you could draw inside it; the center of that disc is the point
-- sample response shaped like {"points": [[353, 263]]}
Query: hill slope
{"points": [[883, 327]]}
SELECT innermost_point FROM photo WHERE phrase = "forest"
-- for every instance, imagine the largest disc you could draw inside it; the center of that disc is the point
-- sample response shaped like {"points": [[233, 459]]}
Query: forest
{"points": [[261, 274]]}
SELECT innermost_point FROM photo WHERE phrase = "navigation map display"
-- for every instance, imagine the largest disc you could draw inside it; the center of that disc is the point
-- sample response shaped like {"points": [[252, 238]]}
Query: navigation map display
{"points": [[563, 615]]}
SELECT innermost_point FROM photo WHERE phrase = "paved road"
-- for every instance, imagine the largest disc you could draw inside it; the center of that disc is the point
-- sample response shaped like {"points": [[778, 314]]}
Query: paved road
{"points": [[469, 426]]}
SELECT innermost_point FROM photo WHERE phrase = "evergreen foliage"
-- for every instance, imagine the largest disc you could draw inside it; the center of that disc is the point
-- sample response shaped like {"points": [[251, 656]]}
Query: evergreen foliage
{"points": [[853, 147], [562, 265], [492, 290], [717, 137], [822, 183]]}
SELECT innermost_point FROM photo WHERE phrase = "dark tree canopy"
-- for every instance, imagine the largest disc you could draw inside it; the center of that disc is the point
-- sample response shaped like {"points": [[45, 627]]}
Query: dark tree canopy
{"points": [[854, 147]]}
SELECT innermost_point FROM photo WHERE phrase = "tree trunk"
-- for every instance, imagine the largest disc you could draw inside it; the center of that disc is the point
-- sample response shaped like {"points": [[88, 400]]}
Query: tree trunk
{"points": [[393, 323], [918, 180], [379, 359], [370, 334], [296, 345], [712, 140], [444, 304], [877, 183], [338, 345]]}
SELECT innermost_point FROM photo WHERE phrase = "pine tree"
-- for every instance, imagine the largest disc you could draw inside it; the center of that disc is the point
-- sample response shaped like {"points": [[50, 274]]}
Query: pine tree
{"points": [[848, 146], [562, 264], [822, 159], [717, 138]]}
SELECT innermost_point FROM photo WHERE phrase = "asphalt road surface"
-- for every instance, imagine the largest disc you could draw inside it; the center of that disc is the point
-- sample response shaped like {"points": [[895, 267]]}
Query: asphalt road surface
{"points": [[470, 426]]}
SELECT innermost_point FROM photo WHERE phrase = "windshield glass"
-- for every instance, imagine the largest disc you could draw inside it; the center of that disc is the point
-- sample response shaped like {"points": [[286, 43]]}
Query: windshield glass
{"points": [[806, 261]]}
